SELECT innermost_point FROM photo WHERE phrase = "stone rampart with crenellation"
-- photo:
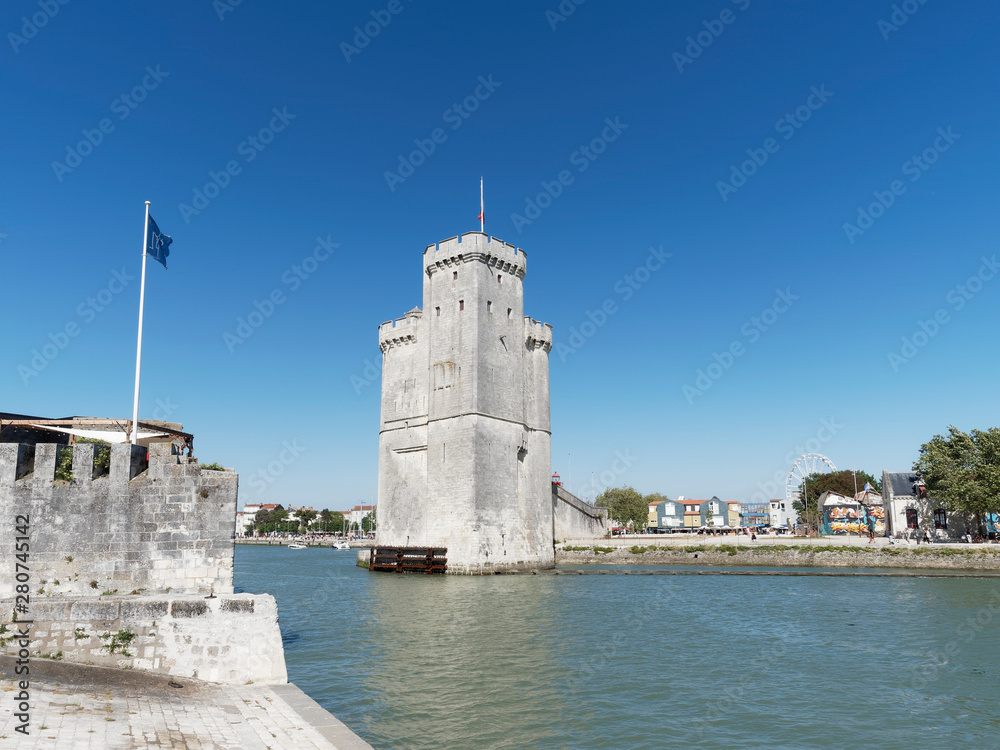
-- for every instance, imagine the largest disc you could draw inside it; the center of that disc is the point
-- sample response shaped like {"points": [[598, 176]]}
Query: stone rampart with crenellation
{"points": [[156, 527], [129, 563]]}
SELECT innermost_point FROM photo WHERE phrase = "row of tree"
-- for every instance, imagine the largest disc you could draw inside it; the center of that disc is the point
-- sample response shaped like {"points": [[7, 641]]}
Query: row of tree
{"points": [[305, 520]]}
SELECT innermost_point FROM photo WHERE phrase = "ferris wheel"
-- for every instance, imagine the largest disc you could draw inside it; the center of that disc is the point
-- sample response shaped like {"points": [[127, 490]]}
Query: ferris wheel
{"points": [[804, 465]]}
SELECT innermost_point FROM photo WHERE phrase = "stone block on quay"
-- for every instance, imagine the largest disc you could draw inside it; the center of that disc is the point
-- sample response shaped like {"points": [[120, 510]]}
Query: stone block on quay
{"points": [[188, 609], [95, 611], [137, 610]]}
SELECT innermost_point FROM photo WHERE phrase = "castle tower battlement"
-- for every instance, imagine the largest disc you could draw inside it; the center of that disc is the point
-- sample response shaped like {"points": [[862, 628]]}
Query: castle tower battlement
{"points": [[399, 332], [475, 247], [464, 444]]}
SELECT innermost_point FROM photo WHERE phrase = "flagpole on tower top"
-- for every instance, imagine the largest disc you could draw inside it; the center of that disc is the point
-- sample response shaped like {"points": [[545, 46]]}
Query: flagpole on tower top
{"points": [[482, 212], [138, 349]]}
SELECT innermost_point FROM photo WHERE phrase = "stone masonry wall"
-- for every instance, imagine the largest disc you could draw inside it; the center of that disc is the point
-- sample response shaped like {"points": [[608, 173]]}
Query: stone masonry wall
{"points": [[232, 639], [574, 518], [464, 443], [165, 527]]}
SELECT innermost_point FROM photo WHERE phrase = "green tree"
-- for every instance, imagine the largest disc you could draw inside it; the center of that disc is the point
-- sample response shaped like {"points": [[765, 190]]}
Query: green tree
{"points": [[331, 521], [368, 522], [305, 516], [64, 463], [962, 470], [279, 517], [626, 506], [260, 520], [273, 520]]}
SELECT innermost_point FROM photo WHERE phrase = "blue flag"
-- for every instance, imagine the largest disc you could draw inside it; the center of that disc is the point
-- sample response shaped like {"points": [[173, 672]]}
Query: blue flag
{"points": [[157, 243]]}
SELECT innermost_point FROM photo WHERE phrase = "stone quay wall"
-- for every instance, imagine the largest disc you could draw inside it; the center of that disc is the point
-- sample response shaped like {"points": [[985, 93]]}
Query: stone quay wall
{"points": [[162, 527], [934, 557], [229, 639]]}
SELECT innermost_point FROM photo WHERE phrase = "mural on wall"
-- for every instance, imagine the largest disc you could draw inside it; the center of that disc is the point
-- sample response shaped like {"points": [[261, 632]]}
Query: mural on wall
{"points": [[844, 520]]}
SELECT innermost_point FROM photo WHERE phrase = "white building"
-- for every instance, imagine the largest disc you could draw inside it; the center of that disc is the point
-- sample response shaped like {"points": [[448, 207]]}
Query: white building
{"points": [[783, 514], [354, 517], [910, 511]]}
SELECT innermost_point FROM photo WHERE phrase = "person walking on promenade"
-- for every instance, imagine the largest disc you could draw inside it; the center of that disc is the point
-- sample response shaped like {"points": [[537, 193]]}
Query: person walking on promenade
{"points": [[927, 537]]}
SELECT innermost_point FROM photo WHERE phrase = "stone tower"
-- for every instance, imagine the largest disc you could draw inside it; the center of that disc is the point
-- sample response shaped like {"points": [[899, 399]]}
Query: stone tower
{"points": [[465, 443]]}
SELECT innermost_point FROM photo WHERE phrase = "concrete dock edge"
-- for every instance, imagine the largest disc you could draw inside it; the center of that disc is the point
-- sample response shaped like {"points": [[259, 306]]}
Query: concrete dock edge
{"points": [[319, 718]]}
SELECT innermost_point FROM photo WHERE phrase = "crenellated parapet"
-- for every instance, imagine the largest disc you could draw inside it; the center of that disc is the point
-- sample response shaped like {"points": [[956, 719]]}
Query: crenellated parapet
{"points": [[129, 540], [475, 247], [140, 518], [400, 332], [537, 335]]}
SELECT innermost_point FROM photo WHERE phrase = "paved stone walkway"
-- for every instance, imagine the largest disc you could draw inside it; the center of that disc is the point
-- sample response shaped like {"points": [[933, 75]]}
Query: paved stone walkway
{"points": [[77, 707]]}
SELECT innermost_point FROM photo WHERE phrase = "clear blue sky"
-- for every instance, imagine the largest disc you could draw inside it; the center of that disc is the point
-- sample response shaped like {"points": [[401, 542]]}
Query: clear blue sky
{"points": [[883, 94]]}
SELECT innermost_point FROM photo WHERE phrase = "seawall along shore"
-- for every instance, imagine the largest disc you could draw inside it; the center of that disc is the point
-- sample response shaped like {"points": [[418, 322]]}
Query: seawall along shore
{"points": [[770, 552]]}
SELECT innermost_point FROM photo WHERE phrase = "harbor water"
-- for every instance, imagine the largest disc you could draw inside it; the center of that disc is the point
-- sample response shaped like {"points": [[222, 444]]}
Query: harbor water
{"points": [[637, 661]]}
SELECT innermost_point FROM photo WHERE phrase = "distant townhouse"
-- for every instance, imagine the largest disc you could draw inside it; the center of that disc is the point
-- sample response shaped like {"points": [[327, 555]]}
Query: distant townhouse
{"points": [[782, 514], [755, 514], [667, 515], [685, 515], [245, 518], [357, 514]]}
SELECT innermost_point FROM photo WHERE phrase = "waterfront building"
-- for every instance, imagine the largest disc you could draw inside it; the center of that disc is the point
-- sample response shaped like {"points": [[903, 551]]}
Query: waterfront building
{"points": [[354, 517], [755, 514], [783, 514], [692, 514], [909, 508], [668, 515], [733, 513], [464, 442], [712, 513]]}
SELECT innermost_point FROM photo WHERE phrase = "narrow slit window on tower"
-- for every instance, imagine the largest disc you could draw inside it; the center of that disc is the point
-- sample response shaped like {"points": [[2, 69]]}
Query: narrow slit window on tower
{"points": [[437, 310], [461, 305], [489, 306], [454, 275], [509, 311], [499, 278]]}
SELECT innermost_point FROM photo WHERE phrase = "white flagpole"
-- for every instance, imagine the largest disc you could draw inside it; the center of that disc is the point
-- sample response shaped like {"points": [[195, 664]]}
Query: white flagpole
{"points": [[138, 349], [482, 215]]}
